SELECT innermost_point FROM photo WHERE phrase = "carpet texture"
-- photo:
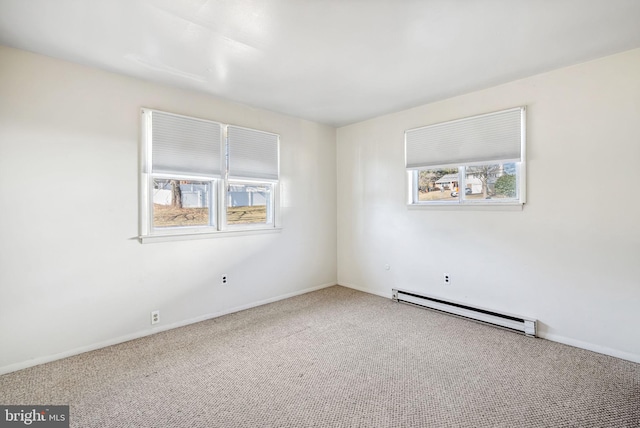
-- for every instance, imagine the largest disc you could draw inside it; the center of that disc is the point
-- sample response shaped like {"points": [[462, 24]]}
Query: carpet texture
{"points": [[336, 358]]}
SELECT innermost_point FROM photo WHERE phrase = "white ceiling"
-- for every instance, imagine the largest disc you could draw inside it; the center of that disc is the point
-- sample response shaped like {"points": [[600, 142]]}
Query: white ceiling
{"points": [[331, 61]]}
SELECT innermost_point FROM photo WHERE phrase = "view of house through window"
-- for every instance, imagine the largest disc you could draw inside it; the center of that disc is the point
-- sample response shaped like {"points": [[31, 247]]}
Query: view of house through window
{"points": [[437, 184], [480, 182], [492, 181]]}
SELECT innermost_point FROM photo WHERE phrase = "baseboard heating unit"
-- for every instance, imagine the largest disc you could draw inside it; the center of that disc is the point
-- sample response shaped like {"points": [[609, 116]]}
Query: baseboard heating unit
{"points": [[508, 321]]}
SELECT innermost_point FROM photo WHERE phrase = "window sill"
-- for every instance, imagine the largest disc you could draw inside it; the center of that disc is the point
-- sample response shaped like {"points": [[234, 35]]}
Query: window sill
{"points": [[448, 206], [149, 239]]}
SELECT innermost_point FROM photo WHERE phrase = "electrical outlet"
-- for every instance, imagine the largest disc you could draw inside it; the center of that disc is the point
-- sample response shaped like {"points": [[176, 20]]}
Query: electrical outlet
{"points": [[447, 279], [225, 279], [155, 317]]}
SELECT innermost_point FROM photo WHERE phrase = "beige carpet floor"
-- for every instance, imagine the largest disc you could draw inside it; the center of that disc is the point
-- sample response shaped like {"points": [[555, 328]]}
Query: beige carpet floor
{"points": [[336, 358]]}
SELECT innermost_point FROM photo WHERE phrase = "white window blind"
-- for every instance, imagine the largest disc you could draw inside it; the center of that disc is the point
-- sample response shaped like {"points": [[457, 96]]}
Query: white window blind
{"points": [[184, 145], [252, 154], [485, 138]]}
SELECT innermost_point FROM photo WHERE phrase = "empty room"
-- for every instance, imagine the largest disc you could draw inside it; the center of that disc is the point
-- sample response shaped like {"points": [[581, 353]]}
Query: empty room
{"points": [[305, 213]]}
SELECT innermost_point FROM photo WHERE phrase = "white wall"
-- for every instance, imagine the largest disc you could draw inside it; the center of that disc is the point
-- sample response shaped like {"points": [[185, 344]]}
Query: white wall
{"points": [[73, 277], [570, 258], [72, 274]]}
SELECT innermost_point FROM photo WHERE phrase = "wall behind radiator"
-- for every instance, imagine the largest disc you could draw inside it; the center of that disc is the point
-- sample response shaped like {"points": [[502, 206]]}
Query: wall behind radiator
{"points": [[570, 258]]}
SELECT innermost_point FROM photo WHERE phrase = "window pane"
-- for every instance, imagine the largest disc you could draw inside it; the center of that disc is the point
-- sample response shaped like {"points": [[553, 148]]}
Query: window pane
{"points": [[491, 181], [249, 203], [179, 203], [437, 185]]}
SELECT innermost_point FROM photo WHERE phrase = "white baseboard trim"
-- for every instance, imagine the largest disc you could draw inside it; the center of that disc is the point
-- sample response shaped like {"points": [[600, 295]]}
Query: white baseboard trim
{"points": [[592, 347], [366, 290], [552, 337], [121, 339]]}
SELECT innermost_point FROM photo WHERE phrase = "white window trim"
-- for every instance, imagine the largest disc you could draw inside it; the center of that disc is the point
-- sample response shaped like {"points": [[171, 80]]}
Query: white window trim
{"points": [[208, 235], [218, 209], [255, 226], [214, 184]]}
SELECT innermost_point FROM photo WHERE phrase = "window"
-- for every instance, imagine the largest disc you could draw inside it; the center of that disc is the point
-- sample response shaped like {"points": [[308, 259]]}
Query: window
{"points": [[249, 203], [252, 175], [475, 160], [203, 177], [182, 203]]}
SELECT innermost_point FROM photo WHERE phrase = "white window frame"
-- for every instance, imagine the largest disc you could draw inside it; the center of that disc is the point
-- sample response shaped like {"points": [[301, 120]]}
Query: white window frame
{"points": [[239, 168], [213, 186], [414, 169], [271, 213], [218, 186]]}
